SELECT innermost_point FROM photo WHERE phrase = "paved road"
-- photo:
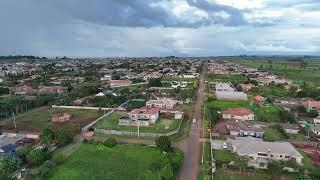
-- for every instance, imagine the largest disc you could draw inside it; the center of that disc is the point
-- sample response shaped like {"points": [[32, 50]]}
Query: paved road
{"points": [[191, 145]]}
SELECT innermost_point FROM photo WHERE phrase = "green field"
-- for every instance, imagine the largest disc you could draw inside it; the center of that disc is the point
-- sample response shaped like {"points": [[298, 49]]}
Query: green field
{"points": [[35, 119], [290, 70], [161, 126], [267, 114], [92, 161]]}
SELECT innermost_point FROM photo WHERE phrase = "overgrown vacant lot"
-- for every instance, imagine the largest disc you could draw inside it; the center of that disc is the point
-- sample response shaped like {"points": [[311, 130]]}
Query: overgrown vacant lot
{"points": [[35, 119], [268, 114], [92, 161], [161, 126]]}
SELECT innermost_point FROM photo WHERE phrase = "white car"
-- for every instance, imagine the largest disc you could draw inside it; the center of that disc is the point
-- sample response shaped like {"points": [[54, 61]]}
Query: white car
{"points": [[194, 120], [224, 145]]}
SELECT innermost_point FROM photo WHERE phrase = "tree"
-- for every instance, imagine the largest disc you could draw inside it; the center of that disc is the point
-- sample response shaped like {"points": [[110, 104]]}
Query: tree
{"points": [[63, 136], [166, 171], [58, 157], [47, 135], [47, 169], [38, 156], [164, 143], [155, 82], [286, 116], [8, 164], [110, 142]]}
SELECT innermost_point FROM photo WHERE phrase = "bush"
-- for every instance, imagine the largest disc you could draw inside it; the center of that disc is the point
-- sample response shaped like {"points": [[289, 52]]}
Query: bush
{"points": [[47, 169], [63, 137], [58, 157], [110, 142], [38, 156], [8, 164], [164, 143]]}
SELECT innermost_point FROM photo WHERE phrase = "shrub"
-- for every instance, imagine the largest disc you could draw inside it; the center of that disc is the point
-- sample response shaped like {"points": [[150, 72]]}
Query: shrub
{"points": [[38, 156], [58, 157], [47, 169], [110, 142], [164, 143]]}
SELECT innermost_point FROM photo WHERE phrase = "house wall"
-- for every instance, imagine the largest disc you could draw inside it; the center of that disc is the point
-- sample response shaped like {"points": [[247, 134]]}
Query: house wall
{"points": [[230, 116], [291, 131]]}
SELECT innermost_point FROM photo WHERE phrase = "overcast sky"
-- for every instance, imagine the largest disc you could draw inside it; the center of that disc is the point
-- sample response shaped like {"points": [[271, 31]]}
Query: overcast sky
{"points": [[159, 27]]}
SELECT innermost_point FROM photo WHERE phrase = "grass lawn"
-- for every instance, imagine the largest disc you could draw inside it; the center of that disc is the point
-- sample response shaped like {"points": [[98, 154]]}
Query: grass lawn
{"points": [[224, 156], [268, 114], [222, 176], [309, 165], [135, 104], [121, 162], [273, 133], [162, 125], [35, 119]]}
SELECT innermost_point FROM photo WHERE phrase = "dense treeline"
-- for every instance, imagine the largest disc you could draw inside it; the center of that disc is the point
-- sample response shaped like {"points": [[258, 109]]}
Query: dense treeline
{"points": [[22, 57], [17, 104]]}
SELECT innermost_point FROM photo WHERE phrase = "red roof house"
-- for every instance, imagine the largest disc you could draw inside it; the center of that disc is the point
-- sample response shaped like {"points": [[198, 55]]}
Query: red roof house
{"points": [[238, 114], [260, 100]]}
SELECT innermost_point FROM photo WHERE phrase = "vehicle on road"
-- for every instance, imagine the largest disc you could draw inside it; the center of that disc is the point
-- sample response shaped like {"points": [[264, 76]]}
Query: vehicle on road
{"points": [[224, 145], [194, 120]]}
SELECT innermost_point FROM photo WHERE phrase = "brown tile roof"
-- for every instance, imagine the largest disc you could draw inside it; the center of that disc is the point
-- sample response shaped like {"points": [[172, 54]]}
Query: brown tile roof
{"points": [[145, 111], [238, 111]]}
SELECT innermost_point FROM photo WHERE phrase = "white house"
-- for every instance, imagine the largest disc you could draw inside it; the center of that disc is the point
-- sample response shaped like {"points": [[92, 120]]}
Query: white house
{"points": [[316, 120], [316, 130], [261, 150], [290, 128], [162, 103], [238, 114], [141, 117]]}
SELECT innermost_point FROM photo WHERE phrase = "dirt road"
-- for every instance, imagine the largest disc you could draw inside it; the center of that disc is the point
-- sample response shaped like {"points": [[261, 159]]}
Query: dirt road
{"points": [[191, 145]]}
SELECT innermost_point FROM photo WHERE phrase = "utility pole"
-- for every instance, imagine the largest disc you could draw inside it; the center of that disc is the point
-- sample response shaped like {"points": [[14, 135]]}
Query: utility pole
{"points": [[14, 121], [138, 129]]}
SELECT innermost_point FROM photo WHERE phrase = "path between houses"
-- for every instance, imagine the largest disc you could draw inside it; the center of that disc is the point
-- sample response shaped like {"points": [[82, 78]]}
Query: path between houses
{"points": [[191, 145]]}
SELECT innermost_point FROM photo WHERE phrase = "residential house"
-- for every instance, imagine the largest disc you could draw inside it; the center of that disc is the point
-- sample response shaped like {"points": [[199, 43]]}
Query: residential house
{"points": [[53, 89], [120, 82], [238, 114], [61, 117], [316, 120], [224, 87], [247, 87], [231, 96], [162, 103], [316, 129], [312, 105], [21, 90], [259, 100], [290, 128], [244, 128], [262, 151], [141, 117], [9, 149]]}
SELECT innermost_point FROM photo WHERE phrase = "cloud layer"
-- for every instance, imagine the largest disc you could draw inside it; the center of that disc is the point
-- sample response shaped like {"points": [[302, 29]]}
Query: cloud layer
{"points": [[159, 27]]}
